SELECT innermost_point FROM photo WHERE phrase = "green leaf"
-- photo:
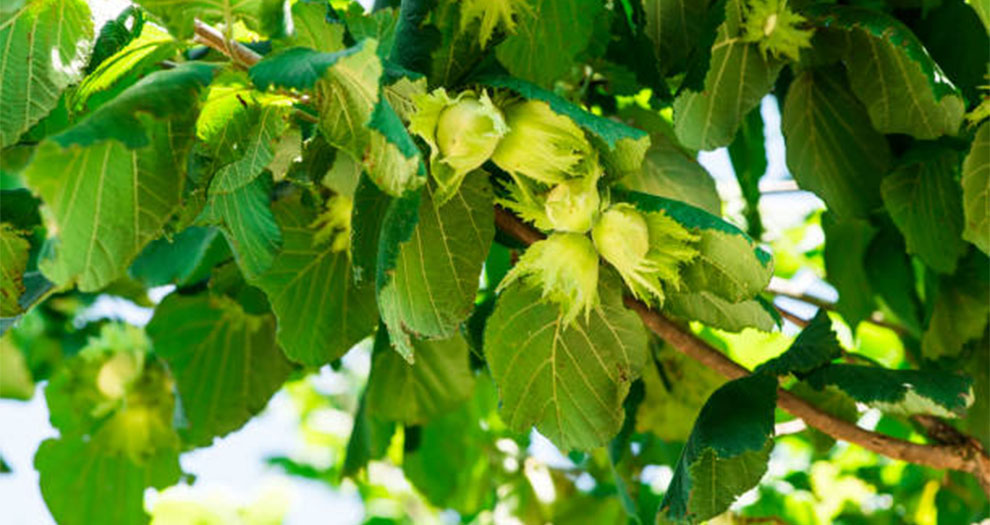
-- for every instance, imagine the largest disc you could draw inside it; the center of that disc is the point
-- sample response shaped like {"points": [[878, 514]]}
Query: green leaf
{"points": [[414, 39], [831, 401], [296, 67], [139, 57], [749, 162], [83, 484], [393, 160], [178, 15], [899, 391], [14, 250], [729, 264], [346, 96], [832, 149], [569, 382], [676, 389], [370, 438], [370, 208], [727, 452], [846, 243], [946, 29], [442, 50], [961, 308], [976, 190], [244, 215], [16, 380], [892, 278], [269, 122], [925, 202], [46, 44], [169, 94], [712, 310], [904, 91], [312, 29], [615, 135], [698, 220], [547, 41], [322, 312], [982, 8], [726, 267], [738, 77], [115, 34], [414, 393], [815, 346], [225, 362], [669, 172], [451, 466], [674, 27], [353, 117], [380, 24], [183, 259], [435, 280], [720, 481], [108, 203]]}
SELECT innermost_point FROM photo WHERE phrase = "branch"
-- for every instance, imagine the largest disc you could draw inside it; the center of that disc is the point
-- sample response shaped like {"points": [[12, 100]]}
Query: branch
{"points": [[828, 305], [967, 456], [210, 37]]}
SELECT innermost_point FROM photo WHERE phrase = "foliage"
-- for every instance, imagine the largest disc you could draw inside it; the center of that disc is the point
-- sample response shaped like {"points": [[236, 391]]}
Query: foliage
{"points": [[487, 193]]}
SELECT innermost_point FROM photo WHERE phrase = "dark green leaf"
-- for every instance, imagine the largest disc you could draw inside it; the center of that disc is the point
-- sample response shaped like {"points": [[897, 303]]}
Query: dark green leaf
{"points": [[846, 243], [244, 215], [414, 393], [738, 77], [182, 259], [432, 289], [322, 312], [370, 438], [815, 346], [925, 202], [296, 68], [832, 149], [898, 391], [451, 465], [961, 309], [225, 362], [749, 162], [547, 41], [889, 69], [727, 452]]}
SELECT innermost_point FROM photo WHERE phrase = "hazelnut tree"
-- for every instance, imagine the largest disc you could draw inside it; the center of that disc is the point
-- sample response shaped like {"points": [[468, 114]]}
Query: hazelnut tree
{"points": [[501, 198]]}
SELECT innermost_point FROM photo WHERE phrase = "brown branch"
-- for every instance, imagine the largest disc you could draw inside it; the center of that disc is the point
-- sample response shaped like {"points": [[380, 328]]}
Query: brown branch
{"points": [[966, 457], [828, 305]]}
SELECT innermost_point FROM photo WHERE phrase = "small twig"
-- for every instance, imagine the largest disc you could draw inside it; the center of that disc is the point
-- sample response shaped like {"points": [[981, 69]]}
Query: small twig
{"points": [[211, 37], [968, 457], [828, 305]]}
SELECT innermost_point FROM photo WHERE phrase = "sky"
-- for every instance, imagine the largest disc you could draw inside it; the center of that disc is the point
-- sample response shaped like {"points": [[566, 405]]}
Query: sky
{"points": [[234, 467]]}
